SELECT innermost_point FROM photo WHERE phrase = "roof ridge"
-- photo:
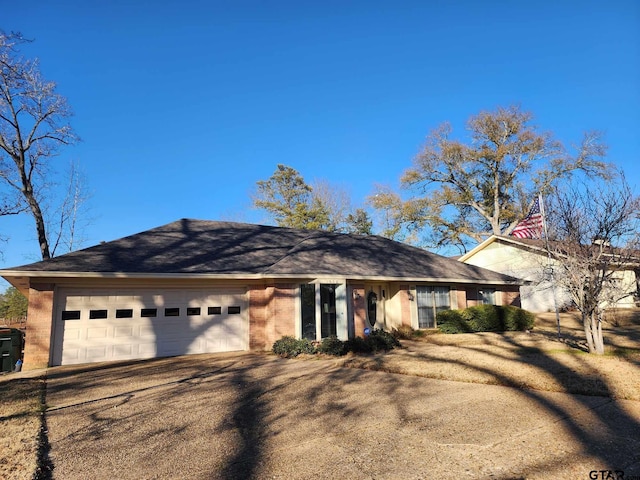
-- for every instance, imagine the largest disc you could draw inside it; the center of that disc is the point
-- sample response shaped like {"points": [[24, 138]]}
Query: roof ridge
{"points": [[292, 249]]}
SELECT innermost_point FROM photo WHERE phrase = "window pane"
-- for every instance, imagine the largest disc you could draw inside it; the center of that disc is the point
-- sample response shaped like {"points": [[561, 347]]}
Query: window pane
{"points": [[192, 311], [488, 296], [442, 299], [441, 296], [426, 314], [124, 313], [328, 309], [214, 310], [308, 310], [149, 312], [372, 309], [172, 312], [71, 315], [233, 310], [94, 314]]}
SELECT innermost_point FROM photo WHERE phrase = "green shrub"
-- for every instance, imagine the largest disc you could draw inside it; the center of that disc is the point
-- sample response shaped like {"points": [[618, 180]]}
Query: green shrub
{"points": [[292, 347], [381, 340], [483, 318], [358, 345], [516, 319], [378, 340], [332, 346], [452, 321]]}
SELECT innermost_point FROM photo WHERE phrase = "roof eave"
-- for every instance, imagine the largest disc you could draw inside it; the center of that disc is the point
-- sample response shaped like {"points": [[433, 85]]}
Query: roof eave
{"points": [[15, 274]]}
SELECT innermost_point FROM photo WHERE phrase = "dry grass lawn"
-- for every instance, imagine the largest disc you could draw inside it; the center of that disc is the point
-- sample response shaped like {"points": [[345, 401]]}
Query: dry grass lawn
{"points": [[536, 360], [20, 411]]}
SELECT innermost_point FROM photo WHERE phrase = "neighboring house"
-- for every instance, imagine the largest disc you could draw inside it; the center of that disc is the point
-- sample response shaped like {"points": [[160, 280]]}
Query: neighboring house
{"points": [[201, 286], [528, 259]]}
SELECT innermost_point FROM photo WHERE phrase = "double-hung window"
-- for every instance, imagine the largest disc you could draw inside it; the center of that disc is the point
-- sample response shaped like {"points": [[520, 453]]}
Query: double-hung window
{"points": [[431, 300]]}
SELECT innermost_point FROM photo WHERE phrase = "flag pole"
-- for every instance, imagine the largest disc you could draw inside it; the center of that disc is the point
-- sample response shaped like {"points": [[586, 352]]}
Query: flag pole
{"points": [[549, 263]]}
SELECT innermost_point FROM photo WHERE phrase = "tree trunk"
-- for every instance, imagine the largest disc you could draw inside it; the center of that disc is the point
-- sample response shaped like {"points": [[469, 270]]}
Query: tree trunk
{"points": [[40, 225], [593, 333], [597, 336], [586, 321]]}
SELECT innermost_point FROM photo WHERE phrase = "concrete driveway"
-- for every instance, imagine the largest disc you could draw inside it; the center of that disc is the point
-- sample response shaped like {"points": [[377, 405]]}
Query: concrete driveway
{"points": [[259, 416]]}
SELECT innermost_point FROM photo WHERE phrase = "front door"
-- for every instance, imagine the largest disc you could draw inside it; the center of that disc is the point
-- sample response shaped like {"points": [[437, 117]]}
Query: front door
{"points": [[375, 297]]}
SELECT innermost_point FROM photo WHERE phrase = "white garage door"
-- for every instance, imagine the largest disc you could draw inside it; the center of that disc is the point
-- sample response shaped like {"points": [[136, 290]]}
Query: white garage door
{"points": [[106, 324]]}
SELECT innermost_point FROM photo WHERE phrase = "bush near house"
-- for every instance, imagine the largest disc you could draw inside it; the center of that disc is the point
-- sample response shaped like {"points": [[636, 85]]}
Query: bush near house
{"points": [[485, 318], [405, 332], [452, 321], [376, 341], [292, 347], [332, 346]]}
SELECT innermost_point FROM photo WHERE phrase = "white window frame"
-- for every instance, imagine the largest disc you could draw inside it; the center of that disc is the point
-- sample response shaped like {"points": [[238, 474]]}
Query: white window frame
{"points": [[342, 331]]}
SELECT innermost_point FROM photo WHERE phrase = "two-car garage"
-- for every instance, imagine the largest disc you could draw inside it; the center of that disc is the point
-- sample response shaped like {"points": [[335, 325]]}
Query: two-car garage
{"points": [[95, 325]]}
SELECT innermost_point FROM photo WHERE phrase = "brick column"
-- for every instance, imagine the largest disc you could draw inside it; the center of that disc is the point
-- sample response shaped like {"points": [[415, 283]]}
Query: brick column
{"points": [[359, 310], [37, 348], [282, 313], [258, 302], [461, 295], [511, 296], [405, 305]]}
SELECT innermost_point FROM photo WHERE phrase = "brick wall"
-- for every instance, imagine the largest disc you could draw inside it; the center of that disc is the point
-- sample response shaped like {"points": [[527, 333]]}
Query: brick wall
{"points": [[359, 310], [511, 296], [405, 305], [272, 314], [281, 313], [461, 296], [37, 346], [258, 301]]}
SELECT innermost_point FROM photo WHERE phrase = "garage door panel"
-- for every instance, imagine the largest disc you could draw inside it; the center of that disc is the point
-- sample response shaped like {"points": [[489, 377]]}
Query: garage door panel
{"points": [[147, 350], [123, 332], [97, 332], [202, 325], [96, 353], [121, 350]]}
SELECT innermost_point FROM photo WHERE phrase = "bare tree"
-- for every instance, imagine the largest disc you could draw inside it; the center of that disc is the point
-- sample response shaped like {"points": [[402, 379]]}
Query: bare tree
{"points": [[70, 219], [33, 128], [468, 190], [594, 234], [335, 201]]}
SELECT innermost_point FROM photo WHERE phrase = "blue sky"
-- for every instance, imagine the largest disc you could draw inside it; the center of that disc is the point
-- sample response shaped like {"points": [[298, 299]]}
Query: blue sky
{"points": [[183, 105]]}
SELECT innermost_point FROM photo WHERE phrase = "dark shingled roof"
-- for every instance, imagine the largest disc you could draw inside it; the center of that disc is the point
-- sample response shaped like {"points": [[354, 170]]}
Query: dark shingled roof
{"points": [[224, 248]]}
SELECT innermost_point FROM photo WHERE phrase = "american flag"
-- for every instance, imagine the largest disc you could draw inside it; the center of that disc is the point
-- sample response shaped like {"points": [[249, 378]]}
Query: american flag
{"points": [[532, 225]]}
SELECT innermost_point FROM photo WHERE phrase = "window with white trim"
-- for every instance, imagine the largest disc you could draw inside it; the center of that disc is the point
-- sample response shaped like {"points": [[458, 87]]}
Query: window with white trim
{"points": [[318, 323], [431, 300]]}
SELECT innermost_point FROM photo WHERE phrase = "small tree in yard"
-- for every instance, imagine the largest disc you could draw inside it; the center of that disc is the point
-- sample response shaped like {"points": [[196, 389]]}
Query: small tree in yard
{"points": [[594, 232], [13, 305]]}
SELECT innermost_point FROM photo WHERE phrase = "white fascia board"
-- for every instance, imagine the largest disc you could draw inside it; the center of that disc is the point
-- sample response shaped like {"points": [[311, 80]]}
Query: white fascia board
{"points": [[477, 248]]}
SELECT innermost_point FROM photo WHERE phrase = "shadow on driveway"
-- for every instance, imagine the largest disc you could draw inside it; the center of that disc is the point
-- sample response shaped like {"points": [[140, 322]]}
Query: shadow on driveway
{"points": [[259, 416]]}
